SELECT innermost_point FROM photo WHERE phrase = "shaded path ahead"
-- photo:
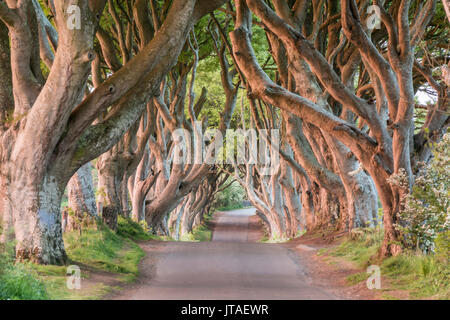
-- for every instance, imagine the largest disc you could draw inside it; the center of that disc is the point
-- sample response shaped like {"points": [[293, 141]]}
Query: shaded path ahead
{"points": [[228, 267]]}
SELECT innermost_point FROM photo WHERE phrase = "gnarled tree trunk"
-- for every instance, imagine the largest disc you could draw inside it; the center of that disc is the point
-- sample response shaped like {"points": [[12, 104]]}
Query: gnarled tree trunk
{"points": [[80, 192]]}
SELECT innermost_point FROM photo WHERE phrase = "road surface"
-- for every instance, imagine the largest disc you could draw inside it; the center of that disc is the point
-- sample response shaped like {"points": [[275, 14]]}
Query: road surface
{"points": [[228, 267]]}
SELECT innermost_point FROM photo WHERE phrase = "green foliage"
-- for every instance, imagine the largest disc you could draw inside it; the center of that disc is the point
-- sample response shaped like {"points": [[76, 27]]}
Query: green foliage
{"points": [[144, 225], [128, 228], [427, 208], [209, 77], [442, 243], [17, 281], [275, 238], [200, 233], [100, 193], [230, 198], [209, 73]]}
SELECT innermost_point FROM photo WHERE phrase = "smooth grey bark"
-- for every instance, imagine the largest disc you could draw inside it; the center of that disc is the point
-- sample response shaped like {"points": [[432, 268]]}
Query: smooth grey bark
{"points": [[81, 191], [291, 198], [81, 196], [362, 204], [140, 185]]}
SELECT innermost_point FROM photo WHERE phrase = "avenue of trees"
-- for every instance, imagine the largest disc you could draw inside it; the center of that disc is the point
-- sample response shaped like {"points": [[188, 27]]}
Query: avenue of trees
{"points": [[95, 90]]}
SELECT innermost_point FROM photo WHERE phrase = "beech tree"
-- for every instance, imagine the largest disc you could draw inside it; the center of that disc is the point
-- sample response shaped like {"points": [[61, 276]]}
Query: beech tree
{"points": [[50, 132], [176, 181], [385, 149]]}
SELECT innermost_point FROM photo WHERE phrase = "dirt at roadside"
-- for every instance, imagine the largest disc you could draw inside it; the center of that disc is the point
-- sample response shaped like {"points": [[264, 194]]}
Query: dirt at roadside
{"points": [[255, 229], [97, 283], [147, 269]]}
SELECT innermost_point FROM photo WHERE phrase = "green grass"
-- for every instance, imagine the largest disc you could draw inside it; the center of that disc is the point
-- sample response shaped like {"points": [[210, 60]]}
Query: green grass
{"points": [[362, 250], [267, 238], [49, 270], [161, 238], [104, 249], [130, 229], [231, 207], [57, 290], [99, 248], [421, 275], [202, 232], [273, 239], [357, 278], [199, 234], [17, 280]]}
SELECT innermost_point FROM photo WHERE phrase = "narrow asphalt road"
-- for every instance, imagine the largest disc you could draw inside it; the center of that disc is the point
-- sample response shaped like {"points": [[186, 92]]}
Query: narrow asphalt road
{"points": [[228, 267]]}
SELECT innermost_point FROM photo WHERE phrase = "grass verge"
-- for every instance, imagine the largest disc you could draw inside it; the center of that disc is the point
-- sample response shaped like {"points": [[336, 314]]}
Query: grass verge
{"points": [[421, 276], [17, 280], [277, 239], [273, 239], [231, 207], [202, 232], [111, 257]]}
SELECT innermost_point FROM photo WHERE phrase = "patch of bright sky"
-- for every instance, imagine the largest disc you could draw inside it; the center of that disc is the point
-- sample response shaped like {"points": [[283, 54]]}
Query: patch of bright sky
{"points": [[425, 98]]}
